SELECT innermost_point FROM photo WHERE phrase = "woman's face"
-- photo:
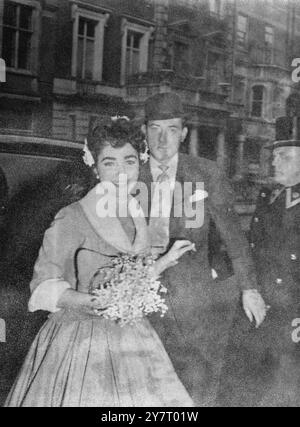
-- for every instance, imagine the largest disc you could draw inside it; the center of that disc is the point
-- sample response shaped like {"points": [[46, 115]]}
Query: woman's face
{"points": [[113, 162]]}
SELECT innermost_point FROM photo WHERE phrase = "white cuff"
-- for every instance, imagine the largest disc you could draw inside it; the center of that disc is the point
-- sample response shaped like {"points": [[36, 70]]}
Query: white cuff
{"points": [[47, 294]]}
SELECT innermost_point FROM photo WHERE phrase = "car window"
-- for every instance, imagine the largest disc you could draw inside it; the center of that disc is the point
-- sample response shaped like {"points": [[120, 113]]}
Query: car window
{"points": [[20, 169], [31, 209]]}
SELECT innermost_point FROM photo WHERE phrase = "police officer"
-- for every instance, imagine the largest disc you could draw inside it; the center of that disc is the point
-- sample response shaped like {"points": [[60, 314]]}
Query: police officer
{"points": [[263, 366]]}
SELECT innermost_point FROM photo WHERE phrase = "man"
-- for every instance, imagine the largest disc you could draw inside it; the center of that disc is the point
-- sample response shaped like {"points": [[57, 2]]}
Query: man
{"points": [[187, 330], [263, 365]]}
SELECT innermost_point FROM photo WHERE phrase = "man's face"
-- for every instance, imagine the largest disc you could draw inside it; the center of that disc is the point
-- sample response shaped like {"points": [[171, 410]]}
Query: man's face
{"points": [[164, 138], [286, 162]]}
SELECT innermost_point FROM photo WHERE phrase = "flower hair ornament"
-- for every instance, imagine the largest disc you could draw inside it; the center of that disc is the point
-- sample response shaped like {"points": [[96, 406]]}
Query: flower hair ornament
{"points": [[144, 156], [116, 118], [87, 155]]}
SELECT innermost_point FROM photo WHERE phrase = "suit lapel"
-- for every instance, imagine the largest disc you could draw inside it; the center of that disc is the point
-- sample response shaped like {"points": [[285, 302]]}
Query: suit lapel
{"points": [[177, 224], [145, 178]]}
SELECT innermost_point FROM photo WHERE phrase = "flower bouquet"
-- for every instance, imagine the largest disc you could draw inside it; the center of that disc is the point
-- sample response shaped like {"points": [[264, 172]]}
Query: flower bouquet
{"points": [[127, 290]]}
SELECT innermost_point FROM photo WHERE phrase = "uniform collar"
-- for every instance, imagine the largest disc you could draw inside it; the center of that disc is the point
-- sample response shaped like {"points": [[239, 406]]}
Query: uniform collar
{"points": [[293, 196]]}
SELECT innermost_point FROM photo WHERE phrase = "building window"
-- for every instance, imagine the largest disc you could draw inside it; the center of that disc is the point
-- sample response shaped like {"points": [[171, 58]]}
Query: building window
{"points": [[269, 35], [214, 72], [135, 49], [133, 52], [16, 119], [88, 38], [18, 35], [181, 57], [86, 48], [242, 30], [269, 44], [257, 106], [215, 7]]}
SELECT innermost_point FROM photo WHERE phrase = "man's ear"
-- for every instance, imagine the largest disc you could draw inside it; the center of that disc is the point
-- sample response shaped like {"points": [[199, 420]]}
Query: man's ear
{"points": [[184, 133], [144, 129]]}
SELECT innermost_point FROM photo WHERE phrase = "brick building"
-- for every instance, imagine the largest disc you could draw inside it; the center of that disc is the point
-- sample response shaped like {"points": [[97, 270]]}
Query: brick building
{"points": [[266, 39], [70, 61]]}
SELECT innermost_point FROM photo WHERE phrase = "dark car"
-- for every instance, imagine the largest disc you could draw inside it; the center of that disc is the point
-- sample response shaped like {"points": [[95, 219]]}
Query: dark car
{"points": [[37, 178]]}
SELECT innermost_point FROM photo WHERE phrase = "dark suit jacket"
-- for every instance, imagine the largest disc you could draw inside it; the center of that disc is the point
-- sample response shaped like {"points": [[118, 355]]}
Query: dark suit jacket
{"points": [[190, 285]]}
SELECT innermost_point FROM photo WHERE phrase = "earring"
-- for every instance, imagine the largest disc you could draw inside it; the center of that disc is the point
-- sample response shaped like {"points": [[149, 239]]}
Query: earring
{"points": [[96, 174]]}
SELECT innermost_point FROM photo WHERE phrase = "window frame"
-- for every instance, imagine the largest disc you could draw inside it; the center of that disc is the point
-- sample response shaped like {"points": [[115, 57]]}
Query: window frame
{"points": [[216, 8], [263, 101], [36, 25], [101, 18], [146, 32], [239, 31], [269, 46], [184, 42]]}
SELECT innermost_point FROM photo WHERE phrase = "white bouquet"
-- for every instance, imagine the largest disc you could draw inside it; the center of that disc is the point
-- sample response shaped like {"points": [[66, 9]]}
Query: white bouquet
{"points": [[127, 290]]}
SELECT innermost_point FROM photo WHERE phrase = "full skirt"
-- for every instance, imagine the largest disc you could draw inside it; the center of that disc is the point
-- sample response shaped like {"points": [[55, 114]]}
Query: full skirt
{"points": [[87, 361]]}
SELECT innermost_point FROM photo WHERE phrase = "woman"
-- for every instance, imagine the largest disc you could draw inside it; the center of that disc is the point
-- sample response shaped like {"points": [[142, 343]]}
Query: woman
{"points": [[78, 358]]}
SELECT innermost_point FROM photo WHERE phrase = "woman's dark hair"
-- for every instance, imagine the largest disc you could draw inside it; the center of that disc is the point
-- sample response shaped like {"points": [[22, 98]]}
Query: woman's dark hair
{"points": [[116, 133]]}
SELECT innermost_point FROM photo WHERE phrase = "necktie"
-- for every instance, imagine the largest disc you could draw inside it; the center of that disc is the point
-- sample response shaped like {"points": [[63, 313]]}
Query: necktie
{"points": [[163, 176], [159, 225]]}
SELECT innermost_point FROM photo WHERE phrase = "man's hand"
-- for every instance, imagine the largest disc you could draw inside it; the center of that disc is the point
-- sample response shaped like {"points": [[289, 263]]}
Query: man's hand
{"points": [[254, 306]]}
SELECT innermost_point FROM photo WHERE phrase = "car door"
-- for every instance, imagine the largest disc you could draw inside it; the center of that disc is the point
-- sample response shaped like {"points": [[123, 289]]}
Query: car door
{"points": [[36, 186]]}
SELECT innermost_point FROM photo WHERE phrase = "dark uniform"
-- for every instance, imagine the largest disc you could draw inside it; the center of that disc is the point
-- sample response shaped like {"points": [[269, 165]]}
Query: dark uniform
{"points": [[262, 366]]}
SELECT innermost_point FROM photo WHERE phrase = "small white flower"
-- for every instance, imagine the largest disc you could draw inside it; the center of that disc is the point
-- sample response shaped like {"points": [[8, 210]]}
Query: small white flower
{"points": [[198, 196], [131, 294], [87, 155], [115, 118], [144, 157]]}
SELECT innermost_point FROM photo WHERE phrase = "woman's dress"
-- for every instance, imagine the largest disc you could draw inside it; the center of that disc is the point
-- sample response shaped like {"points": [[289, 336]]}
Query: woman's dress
{"points": [[82, 360]]}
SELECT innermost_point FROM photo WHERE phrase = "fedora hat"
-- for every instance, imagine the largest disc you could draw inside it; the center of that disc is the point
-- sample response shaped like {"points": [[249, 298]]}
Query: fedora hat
{"points": [[287, 133], [164, 106]]}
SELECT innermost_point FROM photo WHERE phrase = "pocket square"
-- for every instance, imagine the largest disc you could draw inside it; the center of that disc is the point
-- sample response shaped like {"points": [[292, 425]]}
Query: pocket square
{"points": [[198, 196]]}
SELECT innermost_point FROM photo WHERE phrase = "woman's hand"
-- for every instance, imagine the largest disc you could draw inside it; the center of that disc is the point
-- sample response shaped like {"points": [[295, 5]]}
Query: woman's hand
{"points": [[79, 301], [171, 258]]}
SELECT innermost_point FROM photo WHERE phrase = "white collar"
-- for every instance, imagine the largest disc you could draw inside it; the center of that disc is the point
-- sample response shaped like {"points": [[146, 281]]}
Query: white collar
{"points": [[172, 163], [110, 228]]}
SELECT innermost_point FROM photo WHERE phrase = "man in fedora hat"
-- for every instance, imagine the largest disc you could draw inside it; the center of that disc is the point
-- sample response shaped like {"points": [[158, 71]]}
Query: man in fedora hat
{"points": [[189, 330], [262, 367]]}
